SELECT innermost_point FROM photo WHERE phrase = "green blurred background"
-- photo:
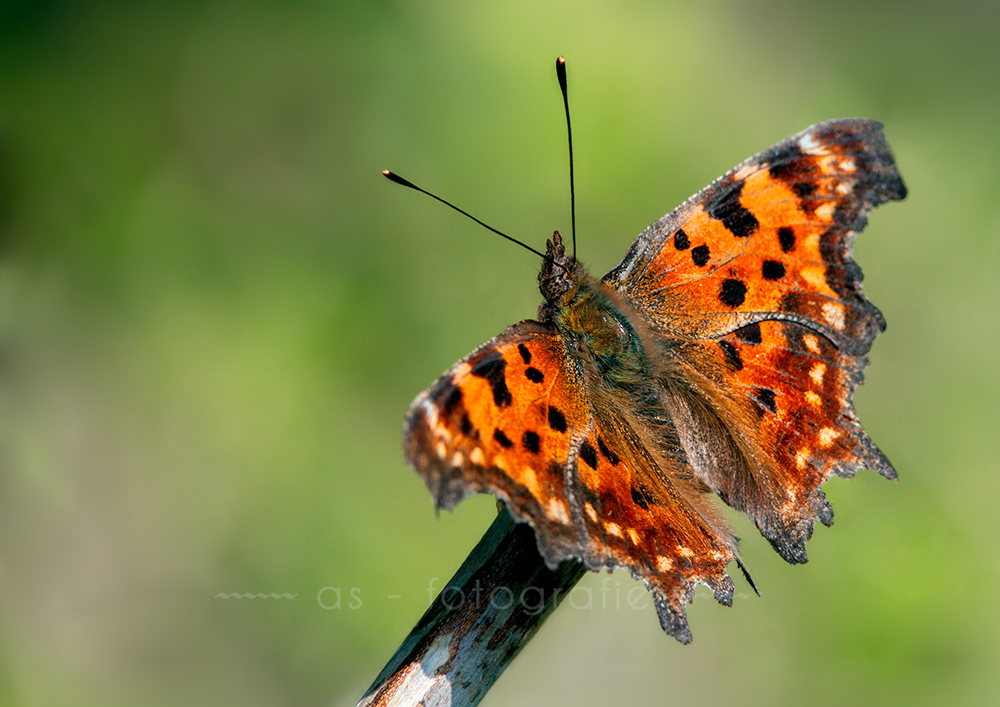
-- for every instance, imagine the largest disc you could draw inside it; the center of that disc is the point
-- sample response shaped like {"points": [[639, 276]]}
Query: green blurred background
{"points": [[214, 312]]}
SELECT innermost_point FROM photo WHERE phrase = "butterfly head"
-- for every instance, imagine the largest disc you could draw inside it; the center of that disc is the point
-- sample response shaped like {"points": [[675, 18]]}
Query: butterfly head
{"points": [[558, 279]]}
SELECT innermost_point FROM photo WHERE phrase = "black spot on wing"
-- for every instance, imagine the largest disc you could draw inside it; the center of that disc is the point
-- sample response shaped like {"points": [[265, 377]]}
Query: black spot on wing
{"points": [[452, 399], [681, 240], [557, 420], [588, 455], [728, 209], [608, 454], [525, 354], [749, 334], [772, 270], [531, 441], [804, 189], [642, 498], [732, 355], [491, 368], [733, 292], [786, 238], [534, 375], [765, 396], [700, 255], [502, 439]]}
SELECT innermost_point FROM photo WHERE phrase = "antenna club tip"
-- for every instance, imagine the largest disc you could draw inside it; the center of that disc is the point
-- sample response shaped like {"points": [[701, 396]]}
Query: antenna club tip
{"points": [[395, 178], [561, 73]]}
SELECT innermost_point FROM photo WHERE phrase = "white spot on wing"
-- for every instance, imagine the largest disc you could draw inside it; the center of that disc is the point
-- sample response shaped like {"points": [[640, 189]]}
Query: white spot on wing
{"points": [[817, 372], [430, 411], [825, 211], [530, 481], [808, 144], [613, 529], [826, 436], [557, 511], [833, 312]]}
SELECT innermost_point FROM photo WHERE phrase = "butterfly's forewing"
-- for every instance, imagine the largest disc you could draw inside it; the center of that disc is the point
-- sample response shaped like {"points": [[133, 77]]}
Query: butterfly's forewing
{"points": [[770, 240], [505, 420], [756, 272], [514, 419]]}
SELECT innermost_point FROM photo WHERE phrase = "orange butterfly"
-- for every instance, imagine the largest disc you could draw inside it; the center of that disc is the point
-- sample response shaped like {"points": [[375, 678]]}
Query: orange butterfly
{"points": [[720, 356]]}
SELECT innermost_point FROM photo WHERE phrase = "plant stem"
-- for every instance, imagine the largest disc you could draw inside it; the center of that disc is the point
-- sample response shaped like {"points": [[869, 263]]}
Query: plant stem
{"points": [[487, 613]]}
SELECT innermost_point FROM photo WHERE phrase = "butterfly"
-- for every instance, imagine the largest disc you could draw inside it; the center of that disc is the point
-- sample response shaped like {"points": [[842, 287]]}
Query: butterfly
{"points": [[719, 358]]}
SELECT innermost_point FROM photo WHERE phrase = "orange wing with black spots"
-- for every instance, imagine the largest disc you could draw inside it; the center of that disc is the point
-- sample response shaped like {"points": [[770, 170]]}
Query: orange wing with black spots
{"points": [[644, 510], [514, 419], [800, 385], [505, 420], [756, 272], [771, 239]]}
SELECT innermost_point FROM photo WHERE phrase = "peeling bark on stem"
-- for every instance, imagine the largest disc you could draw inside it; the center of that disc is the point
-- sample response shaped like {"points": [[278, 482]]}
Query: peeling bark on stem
{"points": [[490, 609]]}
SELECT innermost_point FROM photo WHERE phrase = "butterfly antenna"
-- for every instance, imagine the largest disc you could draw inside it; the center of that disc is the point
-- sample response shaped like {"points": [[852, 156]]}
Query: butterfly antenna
{"points": [[406, 183], [561, 74]]}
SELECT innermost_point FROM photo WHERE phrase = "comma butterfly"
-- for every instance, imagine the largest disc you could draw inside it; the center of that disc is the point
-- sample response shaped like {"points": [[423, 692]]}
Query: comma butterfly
{"points": [[720, 356]]}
